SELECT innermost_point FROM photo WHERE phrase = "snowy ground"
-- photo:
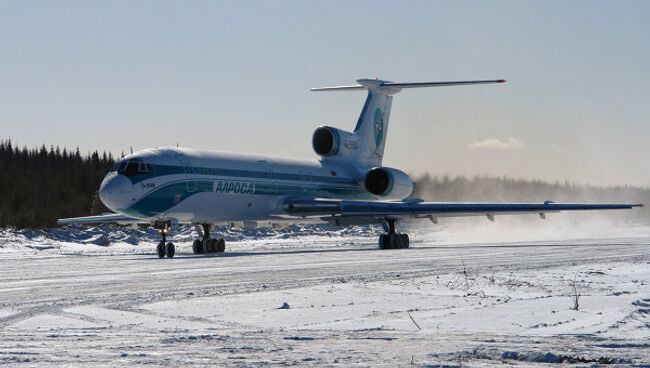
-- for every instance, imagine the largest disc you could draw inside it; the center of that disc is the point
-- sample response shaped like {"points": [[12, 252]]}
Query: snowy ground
{"points": [[481, 298]]}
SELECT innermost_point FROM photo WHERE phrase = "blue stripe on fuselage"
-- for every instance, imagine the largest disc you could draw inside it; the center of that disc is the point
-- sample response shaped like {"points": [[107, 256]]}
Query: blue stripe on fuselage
{"points": [[160, 170], [170, 194]]}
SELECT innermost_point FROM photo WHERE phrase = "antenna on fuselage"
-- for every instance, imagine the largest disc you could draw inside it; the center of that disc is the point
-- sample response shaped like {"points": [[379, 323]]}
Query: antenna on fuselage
{"points": [[131, 149]]}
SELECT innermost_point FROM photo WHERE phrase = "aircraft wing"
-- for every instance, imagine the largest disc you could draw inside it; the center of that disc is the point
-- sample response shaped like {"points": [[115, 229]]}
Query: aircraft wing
{"points": [[112, 218], [433, 210]]}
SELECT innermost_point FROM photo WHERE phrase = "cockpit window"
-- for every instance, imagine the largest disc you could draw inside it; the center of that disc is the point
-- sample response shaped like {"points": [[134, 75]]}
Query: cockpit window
{"points": [[130, 169], [142, 167], [134, 167]]}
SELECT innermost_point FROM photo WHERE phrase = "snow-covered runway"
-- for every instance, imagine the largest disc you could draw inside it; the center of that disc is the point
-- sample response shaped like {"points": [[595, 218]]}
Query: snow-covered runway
{"points": [[346, 304]]}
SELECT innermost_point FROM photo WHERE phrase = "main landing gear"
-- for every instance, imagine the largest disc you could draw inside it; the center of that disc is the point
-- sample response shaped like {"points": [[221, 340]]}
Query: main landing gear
{"points": [[207, 244], [164, 248], [393, 240]]}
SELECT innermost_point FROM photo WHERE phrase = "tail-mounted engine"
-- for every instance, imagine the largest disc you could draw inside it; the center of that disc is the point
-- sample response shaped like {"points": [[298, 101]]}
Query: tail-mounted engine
{"points": [[388, 183], [332, 142]]}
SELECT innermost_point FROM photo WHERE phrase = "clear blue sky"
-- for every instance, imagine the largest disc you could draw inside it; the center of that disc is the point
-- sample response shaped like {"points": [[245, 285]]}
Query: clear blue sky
{"points": [[234, 76]]}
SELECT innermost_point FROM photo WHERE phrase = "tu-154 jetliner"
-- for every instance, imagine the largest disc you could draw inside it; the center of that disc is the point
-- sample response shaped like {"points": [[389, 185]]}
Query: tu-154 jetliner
{"points": [[163, 187]]}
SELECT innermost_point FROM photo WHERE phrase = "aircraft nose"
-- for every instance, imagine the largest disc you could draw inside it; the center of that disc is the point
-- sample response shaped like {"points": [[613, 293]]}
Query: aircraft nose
{"points": [[116, 191]]}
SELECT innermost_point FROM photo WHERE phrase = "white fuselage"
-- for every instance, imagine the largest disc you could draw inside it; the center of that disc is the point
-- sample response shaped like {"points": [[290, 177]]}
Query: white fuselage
{"points": [[197, 186]]}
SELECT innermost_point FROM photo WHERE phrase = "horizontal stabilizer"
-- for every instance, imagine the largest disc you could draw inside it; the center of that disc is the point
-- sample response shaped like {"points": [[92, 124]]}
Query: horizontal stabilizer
{"points": [[378, 84], [338, 88]]}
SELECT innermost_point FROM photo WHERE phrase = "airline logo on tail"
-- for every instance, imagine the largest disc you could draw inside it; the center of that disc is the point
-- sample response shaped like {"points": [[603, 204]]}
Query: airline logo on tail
{"points": [[378, 127]]}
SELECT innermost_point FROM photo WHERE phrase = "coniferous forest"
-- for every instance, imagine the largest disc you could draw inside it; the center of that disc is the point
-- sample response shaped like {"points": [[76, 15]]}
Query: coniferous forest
{"points": [[40, 185]]}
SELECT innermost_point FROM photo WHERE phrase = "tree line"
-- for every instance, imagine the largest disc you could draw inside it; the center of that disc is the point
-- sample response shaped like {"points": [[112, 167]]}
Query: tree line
{"points": [[502, 189], [40, 185]]}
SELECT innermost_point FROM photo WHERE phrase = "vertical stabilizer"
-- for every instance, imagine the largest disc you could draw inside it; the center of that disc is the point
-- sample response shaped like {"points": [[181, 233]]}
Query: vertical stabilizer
{"points": [[372, 126]]}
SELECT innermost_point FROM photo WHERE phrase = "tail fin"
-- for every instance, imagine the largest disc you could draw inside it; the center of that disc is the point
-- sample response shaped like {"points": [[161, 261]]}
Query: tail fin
{"points": [[372, 126]]}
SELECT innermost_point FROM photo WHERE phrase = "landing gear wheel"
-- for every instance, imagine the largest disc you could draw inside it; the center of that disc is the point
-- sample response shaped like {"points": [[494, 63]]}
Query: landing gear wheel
{"points": [[197, 246], [391, 239], [399, 241], [161, 250], [170, 250], [212, 245], [164, 249], [387, 241], [207, 244]]}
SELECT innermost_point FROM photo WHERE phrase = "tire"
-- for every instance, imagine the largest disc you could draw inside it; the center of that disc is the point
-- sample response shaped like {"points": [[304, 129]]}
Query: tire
{"points": [[170, 250], [407, 241], [197, 246], [392, 241], [382, 241], [214, 245], [161, 250], [221, 245]]}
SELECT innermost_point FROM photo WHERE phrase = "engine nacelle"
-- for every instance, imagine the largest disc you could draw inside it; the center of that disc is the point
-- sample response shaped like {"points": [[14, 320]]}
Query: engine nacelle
{"points": [[329, 142], [388, 183]]}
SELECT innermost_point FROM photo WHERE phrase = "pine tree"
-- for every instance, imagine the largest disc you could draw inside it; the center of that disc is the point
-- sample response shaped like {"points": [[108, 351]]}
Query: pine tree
{"points": [[40, 185]]}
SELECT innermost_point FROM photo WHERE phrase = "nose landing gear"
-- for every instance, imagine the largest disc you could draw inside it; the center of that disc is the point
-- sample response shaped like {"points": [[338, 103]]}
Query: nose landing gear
{"points": [[393, 240], [207, 244], [164, 248]]}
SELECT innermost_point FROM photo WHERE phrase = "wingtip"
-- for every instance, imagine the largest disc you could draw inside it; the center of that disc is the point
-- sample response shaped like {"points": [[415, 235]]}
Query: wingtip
{"points": [[501, 81]]}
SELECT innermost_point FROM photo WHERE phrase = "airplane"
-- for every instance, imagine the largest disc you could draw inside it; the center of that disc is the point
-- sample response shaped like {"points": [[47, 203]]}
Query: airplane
{"points": [[348, 185]]}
